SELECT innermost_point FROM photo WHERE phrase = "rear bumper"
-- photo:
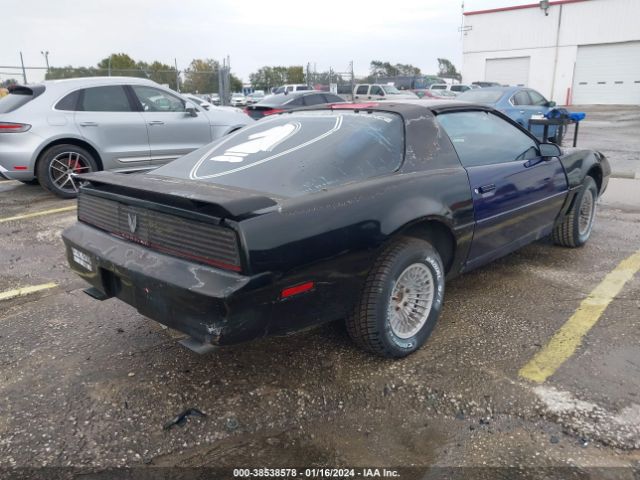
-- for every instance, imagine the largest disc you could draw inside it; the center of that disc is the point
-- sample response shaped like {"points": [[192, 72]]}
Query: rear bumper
{"points": [[211, 305], [17, 150]]}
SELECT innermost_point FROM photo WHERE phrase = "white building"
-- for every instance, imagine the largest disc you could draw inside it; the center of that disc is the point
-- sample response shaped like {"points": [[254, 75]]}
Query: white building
{"points": [[571, 51]]}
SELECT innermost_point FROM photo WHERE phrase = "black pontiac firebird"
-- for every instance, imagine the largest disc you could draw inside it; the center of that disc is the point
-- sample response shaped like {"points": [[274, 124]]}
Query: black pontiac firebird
{"points": [[344, 211]]}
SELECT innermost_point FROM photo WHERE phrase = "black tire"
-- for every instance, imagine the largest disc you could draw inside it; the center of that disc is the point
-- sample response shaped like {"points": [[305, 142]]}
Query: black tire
{"points": [[33, 181], [75, 158], [573, 230], [370, 324]]}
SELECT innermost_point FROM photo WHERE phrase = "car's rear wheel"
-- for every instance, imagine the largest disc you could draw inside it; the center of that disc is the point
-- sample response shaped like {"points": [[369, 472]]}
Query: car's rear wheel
{"points": [[59, 166], [575, 228], [401, 300]]}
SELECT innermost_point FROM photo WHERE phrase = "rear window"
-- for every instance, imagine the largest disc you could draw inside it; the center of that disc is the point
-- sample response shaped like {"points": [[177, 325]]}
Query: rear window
{"points": [[279, 100], [299, 153], [480, 96], [14, 101]]}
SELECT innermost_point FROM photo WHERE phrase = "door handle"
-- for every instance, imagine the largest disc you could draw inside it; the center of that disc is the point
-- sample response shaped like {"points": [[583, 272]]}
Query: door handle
{"points": [[156, 122], [486, 188], [88, 124]]}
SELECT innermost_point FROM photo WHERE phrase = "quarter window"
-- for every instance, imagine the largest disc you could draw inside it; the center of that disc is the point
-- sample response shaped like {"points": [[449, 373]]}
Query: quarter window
{"points": [[362, 90], [482, 138], [155, 100], [110, 98], [69, 103]]}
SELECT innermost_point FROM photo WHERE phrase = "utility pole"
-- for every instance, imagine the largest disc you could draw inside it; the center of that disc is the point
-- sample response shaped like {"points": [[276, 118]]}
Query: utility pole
{"points": [[110, 64], [175, 62], [24, 72], [45, 54]]}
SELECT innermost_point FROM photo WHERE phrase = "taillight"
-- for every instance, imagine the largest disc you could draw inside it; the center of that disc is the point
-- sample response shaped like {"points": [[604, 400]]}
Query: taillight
{"points": [[246, 110], [6, 127], [273, 111]]}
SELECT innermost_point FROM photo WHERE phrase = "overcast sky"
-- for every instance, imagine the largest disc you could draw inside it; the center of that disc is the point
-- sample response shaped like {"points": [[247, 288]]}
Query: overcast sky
{"points": [[254, 33]]}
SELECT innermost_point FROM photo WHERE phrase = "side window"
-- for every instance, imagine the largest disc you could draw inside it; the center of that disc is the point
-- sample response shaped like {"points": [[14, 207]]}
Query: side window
{"points": [[69, 103], [296, 102], [332, 98], [362, 90], [482, 138], [316, 99], [155, 100], [111, 98], [376, 90], [521, 98], [537, 99]]}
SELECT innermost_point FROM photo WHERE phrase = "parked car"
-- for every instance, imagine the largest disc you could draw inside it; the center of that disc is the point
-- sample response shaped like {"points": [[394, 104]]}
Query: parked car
{"points": [[281, 103], [238, 100], [198, 101], [518, 103], [435, 94], [214, 99], [52, 131], [319, 215], [375, 91], [459, 88], [255, 97], [295, 87], [486, 84]]}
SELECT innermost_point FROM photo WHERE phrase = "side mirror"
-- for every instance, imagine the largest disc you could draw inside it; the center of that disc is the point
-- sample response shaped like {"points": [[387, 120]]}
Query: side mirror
{"points": [[551, 104], [191, 111], [548, 150]]}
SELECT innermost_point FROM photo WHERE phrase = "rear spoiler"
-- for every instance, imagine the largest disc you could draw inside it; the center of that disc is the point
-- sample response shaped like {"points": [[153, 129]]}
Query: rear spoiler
{"points": [[229, 201], [35, 90]]}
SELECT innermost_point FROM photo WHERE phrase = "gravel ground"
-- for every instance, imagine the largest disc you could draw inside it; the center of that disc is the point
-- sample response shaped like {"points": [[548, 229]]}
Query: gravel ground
{"points": [[90, 384]]}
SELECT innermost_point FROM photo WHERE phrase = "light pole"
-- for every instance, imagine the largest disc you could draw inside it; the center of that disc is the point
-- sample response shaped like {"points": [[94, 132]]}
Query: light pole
{"points": [[110, 64], [45, 54]]}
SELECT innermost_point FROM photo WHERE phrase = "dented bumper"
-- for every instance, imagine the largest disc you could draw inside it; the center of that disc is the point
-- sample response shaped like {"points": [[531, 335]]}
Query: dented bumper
{"points": [[210, 305]]}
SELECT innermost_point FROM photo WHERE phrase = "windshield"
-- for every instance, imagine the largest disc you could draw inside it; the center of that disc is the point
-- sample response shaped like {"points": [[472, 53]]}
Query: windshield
{"points": [[390, 90], [438, 87], [295, 154], [481, 96]]}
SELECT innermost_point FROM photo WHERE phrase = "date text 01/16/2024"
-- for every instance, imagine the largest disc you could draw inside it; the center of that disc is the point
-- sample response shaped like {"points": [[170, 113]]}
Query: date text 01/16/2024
{"points": [[315, 473]]}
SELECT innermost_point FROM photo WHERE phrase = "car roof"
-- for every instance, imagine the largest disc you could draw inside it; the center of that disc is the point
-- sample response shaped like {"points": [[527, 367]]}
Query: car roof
{"points": [[100, 80], [408, 108]]}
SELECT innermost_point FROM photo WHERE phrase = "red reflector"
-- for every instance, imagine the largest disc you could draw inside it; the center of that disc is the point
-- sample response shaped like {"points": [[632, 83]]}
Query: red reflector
{"points": [[354, 106], [273, 111], [296, 289], [14, 127], [20, 167]]}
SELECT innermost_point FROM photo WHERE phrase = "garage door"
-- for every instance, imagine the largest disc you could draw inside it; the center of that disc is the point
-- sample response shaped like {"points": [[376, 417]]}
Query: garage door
{"points": [[607, 74], [507, 71]]}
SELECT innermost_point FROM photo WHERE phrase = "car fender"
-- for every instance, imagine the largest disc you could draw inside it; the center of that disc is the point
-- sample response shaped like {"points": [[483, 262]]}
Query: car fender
{"points": [[578, 163], [62, 136]]}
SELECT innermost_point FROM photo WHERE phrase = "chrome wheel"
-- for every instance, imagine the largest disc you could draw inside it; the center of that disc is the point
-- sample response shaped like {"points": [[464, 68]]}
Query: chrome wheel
{"points": [[411, 300], [64, 167], [587, 210]]}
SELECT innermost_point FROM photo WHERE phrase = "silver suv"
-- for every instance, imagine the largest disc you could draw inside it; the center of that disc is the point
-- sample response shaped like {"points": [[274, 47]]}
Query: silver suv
{"points": [[52, 131]]}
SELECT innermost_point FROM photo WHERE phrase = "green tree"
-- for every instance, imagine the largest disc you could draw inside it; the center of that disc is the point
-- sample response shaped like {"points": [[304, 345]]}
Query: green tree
{"points": [[55, 73], [201, 76], [269, 77], [386, 69], [163, 74], [446, 69], [121, 64], [8, 82], [295, 74]]}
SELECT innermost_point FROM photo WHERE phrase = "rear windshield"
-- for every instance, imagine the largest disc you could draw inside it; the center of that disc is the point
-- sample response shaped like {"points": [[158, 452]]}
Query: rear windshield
{"points": [[279, 99], [13, 101], [480, 96], [299, 153]]}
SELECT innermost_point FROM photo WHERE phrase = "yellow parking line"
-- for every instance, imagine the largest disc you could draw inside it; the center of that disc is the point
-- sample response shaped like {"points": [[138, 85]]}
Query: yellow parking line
{"points": [[19, 292], [566, 340], [38, 214]]}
